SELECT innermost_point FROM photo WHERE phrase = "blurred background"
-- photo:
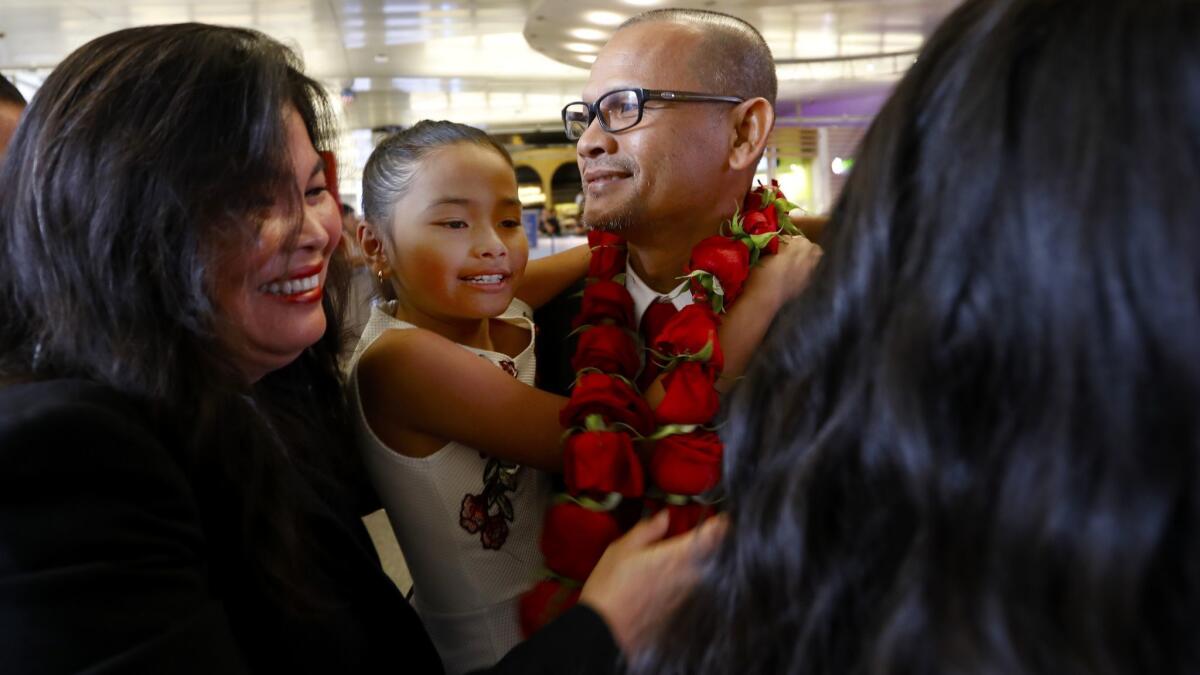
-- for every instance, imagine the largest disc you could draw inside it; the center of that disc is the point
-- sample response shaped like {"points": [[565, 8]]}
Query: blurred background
{"points": [[509, 66]]}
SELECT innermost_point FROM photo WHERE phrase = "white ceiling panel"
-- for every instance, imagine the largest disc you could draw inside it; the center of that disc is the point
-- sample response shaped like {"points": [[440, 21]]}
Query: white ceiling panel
{"points": [[506, 63]]}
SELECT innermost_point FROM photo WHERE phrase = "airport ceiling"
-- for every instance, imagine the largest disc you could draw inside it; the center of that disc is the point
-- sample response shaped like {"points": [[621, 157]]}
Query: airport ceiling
{"points": [[504, 64]]}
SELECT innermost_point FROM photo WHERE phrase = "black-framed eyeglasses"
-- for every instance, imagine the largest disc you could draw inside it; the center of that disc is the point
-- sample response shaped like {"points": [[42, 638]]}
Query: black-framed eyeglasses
{"points": [[621, 109]]}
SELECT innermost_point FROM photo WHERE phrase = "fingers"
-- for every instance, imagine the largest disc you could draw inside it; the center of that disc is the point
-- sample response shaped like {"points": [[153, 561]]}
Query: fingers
{"points": [[678, 559], [709, 534], [641, 579], [697, 544], [647, 531]]}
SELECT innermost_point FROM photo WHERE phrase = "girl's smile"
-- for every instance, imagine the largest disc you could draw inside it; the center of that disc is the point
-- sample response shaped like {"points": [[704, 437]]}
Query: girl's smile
{"points": [[457, 250], [489, 281]]}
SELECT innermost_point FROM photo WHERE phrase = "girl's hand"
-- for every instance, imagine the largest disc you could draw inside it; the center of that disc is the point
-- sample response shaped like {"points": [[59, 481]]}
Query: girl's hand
{"points": [[775, 280], [640, 580], [789, 271]]}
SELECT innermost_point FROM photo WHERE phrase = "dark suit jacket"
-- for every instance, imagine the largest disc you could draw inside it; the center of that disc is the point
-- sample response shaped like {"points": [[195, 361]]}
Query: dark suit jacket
{"points": [[554, 349], [106, 564]]}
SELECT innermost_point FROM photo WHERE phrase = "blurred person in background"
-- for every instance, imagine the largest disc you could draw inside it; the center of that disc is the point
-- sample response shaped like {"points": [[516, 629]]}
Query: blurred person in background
{"points": [[12, 104]]}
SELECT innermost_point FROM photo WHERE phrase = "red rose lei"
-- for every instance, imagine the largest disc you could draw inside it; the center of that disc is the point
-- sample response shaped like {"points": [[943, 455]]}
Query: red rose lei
{"points": [[609, 485]]}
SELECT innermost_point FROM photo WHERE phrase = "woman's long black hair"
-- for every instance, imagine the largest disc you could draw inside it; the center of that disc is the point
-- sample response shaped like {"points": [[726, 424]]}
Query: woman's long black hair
{"points": [[147, 156], [971, 446]]}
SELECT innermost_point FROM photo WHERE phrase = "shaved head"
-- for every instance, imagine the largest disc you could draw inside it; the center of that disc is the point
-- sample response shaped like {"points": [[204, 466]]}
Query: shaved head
{"points": [[731, 58]]}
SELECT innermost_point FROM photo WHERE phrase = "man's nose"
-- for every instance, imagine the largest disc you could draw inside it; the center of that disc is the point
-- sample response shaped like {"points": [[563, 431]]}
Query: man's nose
{"points": [[595, 141]]}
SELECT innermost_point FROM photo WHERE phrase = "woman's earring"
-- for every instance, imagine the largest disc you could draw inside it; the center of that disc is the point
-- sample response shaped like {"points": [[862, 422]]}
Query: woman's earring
{"points": [[380, 275]]}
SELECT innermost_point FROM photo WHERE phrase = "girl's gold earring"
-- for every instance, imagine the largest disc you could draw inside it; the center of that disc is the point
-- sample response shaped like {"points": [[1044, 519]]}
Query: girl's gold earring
{"points": [[380, 275]]}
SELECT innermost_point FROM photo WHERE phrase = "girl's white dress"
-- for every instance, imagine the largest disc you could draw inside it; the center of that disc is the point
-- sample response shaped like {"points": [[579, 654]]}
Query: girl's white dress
{"points": [[468, 525]]}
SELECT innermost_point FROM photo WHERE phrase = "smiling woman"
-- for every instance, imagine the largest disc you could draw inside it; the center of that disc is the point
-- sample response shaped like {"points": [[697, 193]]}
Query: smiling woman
{"points": [[176, 491], [271, 301], [170, 378]]}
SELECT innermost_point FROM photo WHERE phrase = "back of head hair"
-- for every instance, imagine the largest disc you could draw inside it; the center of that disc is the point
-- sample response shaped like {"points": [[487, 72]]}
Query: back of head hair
{"points": [[972, 445], [9, 93], [394, 162], [732, 57], [141, 165]]}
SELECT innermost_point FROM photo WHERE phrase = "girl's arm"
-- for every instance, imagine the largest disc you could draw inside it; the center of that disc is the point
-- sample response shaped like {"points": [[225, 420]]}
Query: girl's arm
{"points": [[546, 277], [417, 381], [777, 279]]}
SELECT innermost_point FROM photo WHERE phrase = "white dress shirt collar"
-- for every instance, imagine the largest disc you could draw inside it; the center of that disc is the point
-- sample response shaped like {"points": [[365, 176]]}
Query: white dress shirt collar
{"points": [[643, 295]]}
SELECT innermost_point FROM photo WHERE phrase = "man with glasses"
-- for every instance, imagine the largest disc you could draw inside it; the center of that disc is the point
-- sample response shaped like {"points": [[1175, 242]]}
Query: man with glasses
{"points": [[669, 132]]}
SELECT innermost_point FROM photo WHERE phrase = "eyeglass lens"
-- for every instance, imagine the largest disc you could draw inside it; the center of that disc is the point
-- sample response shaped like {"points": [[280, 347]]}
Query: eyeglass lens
{"points": [[576, 118], [618, 110]]}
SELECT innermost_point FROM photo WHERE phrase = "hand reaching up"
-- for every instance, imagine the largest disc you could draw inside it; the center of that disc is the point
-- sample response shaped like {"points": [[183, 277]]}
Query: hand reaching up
{"points": [[641, 578], [790, 270]]}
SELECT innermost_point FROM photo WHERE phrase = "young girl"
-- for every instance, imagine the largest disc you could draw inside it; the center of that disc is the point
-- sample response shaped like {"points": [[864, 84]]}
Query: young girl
{"points": [[444, 371], [454, 434]]}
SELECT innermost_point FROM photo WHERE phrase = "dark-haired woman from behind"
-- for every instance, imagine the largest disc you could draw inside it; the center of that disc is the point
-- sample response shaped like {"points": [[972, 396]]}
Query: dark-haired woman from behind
{"points": [[177, 492], [973, 445]]}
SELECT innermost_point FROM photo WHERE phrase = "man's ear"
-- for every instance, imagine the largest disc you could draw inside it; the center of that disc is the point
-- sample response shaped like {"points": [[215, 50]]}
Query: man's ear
{"points": [[753, 121], [373, 250]]}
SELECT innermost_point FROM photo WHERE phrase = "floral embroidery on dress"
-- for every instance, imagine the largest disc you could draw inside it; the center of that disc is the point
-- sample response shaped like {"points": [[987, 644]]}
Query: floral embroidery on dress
{"points": [[508, 366], [490, 512]]}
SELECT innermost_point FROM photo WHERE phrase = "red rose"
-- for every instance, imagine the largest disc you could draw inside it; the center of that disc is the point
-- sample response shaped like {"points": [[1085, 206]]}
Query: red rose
{"points": [[604, 238], [616, 401], [495, 532], [687, 464], [758, 199], [758, 223], [606, 262], [574, 538], [690, 397], [473, 514], [754, 200], [683, 518], [602, 461], [543, 603], [605, 299], [689, 332], [727, 259], [609, 349]]}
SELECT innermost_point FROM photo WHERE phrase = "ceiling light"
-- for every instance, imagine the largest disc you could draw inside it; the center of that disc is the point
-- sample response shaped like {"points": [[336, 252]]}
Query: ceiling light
{"points": [[404, 7], [381, 58], [604, 18], [582, 47], [642, 3], [586, 58], [588, 34]]}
